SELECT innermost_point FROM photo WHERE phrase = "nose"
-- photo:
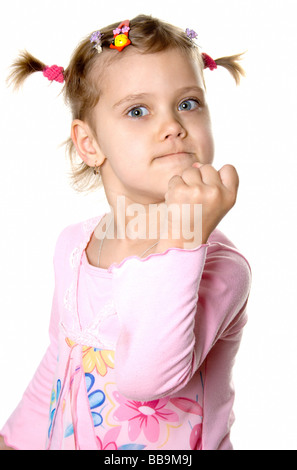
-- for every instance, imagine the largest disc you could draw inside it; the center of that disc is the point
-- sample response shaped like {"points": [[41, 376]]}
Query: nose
{"points": [[171, 128]]}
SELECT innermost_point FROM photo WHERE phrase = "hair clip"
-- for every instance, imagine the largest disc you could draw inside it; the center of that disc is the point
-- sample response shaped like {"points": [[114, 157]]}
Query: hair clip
{"points": [[191, 33], [121, 38], [96, 38]]}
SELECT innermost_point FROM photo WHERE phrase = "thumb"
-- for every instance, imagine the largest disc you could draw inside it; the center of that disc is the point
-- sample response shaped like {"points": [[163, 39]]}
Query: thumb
{"points": [[229, 177]]}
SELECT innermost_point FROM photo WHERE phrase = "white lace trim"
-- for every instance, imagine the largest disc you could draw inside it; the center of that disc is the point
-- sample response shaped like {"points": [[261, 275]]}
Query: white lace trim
{"points": [[91, 335], [70, 296]]}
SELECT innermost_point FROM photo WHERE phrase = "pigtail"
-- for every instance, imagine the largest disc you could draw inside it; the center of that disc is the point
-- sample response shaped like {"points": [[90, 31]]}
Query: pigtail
{"points": [[24, 66], [231, 63]]}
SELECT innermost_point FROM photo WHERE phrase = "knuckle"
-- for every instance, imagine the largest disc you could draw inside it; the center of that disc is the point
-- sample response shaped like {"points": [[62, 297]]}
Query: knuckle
{"points": [[173, 181], [206, 166], [207, 169], [178, 192], [215, 193], [196, 193], [188, 171]]}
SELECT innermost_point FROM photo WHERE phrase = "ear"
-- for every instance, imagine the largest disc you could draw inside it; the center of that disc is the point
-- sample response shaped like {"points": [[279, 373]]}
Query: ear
{"points": [[86, 144]]}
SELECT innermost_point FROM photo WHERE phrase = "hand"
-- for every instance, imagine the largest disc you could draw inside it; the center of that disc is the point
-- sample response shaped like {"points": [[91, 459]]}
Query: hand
{"points": [[202, 184], [3, 446]]}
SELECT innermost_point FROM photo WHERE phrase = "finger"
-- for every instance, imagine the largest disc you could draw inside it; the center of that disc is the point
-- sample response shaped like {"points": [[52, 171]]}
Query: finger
{"points": [[210, 175], [229, 177], [192, 176], [197, 165], [176, 180]]}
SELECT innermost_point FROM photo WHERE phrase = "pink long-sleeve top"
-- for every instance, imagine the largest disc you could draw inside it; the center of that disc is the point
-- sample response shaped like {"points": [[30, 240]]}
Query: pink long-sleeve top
{"points": [[140, 354]]}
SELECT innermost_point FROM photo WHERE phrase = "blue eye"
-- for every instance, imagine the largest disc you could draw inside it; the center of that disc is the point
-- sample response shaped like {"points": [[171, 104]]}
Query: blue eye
{"points": [[137, 112], [188, 105]]}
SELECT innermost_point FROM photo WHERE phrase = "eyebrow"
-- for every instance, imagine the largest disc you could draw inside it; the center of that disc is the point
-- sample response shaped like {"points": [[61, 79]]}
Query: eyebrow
{"points": [[142, 96], [135, 97]]}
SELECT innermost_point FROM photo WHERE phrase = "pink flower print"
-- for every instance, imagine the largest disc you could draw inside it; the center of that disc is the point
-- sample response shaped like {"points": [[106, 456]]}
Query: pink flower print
{"points": [[187, 405], [196, 437], [143, 416], [109, 440]]}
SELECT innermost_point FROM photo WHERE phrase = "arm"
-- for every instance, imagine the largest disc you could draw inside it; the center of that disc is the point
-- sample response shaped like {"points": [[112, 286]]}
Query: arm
{"points": [[173, 307]]}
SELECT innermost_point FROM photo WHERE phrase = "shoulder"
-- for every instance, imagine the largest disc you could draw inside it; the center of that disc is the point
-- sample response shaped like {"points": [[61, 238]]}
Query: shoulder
{"points": [[225, 262], [74, 237], [221, 246]]}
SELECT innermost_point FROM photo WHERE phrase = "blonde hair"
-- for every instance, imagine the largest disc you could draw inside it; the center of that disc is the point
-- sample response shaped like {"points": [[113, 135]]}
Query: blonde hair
{"points": [[86, 68]]}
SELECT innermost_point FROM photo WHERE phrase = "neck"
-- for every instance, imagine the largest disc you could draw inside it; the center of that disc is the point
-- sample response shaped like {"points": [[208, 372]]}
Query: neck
{"points": [[133, 221]]}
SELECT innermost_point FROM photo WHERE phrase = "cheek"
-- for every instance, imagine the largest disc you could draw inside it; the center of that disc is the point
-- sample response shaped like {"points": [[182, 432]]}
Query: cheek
{"points": [[209, 146], [115, 140], [205, 142], [124, 154]]}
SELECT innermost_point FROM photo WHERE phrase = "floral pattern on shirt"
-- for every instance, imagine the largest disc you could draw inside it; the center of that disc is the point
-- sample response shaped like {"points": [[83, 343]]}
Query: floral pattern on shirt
{"points": [[121, 423], [53, 403], [95, 358], [143, 416], [96, 399]]}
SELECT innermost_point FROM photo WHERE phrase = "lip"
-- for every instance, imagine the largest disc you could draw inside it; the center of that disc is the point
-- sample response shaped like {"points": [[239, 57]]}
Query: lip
{"points": [[175, 154]]}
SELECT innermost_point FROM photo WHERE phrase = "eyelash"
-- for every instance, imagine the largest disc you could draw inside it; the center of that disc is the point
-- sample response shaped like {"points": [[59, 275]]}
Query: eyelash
{"points": [[134, 109], [198, 103]]}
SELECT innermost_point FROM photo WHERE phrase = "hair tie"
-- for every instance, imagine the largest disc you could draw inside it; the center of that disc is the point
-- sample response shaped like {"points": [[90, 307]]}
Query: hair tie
{"points": [[54, 73], [209, 63]]}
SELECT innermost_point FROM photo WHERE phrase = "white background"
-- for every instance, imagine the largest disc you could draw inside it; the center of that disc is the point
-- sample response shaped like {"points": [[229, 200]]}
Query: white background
{"points": [[255, 130]]}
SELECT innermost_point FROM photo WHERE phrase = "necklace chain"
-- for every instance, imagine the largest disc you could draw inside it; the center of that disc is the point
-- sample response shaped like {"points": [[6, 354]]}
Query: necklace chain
{"points": [[102, 240]]}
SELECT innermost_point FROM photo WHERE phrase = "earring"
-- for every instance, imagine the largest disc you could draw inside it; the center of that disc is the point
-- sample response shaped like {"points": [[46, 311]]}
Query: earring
{"points": [[96, 170]]}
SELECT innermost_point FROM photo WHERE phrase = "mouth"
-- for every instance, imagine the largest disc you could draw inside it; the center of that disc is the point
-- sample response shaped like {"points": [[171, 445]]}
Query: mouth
{"points": [[175, 155]]}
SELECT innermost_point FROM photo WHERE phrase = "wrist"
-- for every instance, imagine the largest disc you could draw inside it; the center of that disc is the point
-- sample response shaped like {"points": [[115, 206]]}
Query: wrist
{"points": [[164, 245]]}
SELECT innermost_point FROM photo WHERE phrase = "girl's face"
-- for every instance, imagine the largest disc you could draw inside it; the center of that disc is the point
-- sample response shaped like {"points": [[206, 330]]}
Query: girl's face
{"points": [[152, 122]]}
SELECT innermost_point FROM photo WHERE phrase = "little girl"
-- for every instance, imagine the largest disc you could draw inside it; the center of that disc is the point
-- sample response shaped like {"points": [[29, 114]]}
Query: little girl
{"points": [[145, 324]]}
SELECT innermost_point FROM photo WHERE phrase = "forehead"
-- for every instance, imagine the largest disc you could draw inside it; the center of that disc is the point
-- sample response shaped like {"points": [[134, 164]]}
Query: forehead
{"points": [[135, 72]]}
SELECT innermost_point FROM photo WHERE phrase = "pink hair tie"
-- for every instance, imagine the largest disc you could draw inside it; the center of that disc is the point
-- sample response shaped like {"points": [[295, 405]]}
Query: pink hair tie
{"points": [[54, 73], [209, 63]]}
